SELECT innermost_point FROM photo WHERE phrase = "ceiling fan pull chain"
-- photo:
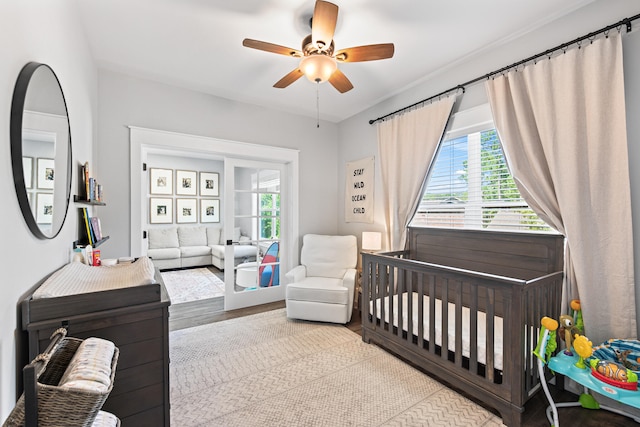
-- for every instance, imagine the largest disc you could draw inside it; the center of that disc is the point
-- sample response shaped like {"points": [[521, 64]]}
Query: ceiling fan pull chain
{"points": [[318, 104]]}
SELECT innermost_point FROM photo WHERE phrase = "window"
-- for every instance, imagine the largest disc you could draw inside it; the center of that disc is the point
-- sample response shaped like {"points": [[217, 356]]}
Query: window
{"points": [[268, 184], [470, 186], [270, 216]]}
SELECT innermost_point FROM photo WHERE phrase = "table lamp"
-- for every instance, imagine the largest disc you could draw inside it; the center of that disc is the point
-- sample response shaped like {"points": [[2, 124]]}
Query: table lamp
{"points": [[371, 241]]}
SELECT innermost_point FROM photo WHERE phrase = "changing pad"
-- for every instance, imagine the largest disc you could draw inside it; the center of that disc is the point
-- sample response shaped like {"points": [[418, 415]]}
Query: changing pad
{"points": [[77, 278]]}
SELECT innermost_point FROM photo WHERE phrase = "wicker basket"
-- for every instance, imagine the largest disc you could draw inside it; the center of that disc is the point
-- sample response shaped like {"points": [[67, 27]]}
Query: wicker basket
{"points": [[59, 406]]}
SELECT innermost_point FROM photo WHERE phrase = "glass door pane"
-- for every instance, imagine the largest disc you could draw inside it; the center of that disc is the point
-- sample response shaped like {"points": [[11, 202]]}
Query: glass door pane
{"points": [[252, 255]]}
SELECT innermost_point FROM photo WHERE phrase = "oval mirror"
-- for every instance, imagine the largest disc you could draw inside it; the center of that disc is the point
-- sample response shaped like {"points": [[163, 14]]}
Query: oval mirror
{"points": [[41, 150]]}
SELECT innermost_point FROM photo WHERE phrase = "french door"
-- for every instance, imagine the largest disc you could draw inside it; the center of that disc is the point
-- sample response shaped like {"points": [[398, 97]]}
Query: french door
{"points": [[255, 232]]}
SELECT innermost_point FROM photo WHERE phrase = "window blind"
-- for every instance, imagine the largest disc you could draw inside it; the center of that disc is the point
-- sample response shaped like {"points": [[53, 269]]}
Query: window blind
{"points": [[470, 186]]}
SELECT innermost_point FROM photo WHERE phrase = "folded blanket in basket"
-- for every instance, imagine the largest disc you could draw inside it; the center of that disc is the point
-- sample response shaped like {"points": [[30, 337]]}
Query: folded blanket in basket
{"points": [[90, 366], [105, 419], [78, 278]]}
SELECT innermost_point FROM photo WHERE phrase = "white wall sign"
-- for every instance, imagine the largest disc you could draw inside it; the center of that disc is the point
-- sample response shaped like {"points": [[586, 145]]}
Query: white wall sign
{"points": [[358, 205]]}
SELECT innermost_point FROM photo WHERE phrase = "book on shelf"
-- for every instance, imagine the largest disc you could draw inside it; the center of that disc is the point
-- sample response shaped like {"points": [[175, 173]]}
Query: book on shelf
{"points": [[95, 224], [84, 174], [87, 226], [90, 187], [91, 229]]}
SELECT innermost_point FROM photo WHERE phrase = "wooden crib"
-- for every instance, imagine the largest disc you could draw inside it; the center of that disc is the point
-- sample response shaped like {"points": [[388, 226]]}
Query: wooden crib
{"points": [[497, 285]]}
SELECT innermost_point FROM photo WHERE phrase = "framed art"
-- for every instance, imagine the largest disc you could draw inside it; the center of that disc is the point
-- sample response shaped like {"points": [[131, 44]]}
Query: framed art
{"points": [[46, 173], [186, 211], [27, 168], [186, 183], [160, 210], [44, 208], [209, 184], [161, 181], [209, 210]]}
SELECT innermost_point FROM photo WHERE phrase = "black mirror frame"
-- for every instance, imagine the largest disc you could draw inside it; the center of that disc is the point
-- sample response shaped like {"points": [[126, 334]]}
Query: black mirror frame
{"points": [[15, 129]]}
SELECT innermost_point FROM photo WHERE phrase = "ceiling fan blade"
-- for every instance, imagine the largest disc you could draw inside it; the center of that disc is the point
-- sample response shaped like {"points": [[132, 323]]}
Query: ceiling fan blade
{"points": [[288, 79], [370, 52], [323, 24], [340, 81], [270, 47]]}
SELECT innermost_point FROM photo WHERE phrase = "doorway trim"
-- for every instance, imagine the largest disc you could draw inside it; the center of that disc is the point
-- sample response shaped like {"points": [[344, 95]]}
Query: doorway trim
{"points": [[144, 141]]}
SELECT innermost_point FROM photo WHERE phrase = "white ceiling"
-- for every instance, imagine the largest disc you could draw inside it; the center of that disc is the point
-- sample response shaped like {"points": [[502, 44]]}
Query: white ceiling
{"points": [[197, 44]]}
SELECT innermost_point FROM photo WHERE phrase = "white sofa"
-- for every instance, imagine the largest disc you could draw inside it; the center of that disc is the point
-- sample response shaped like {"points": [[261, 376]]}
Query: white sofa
{"points": [[322, 287], [192, 246]]}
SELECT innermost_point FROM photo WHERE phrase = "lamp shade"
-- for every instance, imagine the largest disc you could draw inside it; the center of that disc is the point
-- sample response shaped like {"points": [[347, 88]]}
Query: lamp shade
{"points": [[371, 241], [317, 67]]}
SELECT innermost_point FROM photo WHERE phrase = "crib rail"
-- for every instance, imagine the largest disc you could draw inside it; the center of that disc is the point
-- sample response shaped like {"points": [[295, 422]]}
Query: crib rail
{"points": [[465, 302]]}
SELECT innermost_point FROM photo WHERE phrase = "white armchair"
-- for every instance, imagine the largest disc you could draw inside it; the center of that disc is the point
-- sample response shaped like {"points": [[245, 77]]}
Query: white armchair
{"points": [[322, 287]]}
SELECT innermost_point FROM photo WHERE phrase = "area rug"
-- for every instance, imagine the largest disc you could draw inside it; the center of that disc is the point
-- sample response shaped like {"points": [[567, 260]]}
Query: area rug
{"points": [[267, 370], [192, 285]]}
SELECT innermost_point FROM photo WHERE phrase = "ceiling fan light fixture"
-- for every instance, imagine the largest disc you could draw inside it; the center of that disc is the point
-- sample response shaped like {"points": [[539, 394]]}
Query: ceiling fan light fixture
{"points": [[318, 68]]}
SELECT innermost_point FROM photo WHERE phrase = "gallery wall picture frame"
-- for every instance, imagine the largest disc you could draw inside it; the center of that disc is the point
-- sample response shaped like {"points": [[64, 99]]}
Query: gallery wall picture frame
{"points": [[186, 183], [160, 210], [186, 211], [27, 168], [44, 208], [209, 184], [161, 181], [209, 210], [46, 174]]}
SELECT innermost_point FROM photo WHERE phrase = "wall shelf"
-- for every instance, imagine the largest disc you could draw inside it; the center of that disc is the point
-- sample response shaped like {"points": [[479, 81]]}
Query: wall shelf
{"points": [[77, 199], [77, 243], [82, 225]]}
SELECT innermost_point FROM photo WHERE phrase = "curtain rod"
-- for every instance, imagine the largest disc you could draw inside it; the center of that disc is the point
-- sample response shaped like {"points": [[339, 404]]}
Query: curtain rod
{"points": [[626, 22]]}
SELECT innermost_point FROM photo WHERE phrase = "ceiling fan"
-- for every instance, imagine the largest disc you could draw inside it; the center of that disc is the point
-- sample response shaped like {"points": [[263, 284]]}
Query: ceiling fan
{"points": [[319, 61]]}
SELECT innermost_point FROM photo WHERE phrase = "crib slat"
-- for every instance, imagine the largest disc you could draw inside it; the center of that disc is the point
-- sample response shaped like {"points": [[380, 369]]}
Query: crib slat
{"points": [[382, 280], [444, 331], [473, 329], [370, 294], [409, 277], [391, 290], [421, 284], [489, 319], [399, 273], [432, 314], [458, 334]]}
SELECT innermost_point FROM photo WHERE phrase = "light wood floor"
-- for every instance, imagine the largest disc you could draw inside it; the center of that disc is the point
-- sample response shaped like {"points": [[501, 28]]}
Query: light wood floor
{"points": [[189, 314], [196, 313]]}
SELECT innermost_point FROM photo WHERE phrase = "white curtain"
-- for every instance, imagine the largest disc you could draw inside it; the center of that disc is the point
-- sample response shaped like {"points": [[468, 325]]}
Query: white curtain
{"points": [[406, 146], [562, 124]]}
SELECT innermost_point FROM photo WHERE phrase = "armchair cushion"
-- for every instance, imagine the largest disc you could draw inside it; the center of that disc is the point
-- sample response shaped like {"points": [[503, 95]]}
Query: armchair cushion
{"points": [[319, 289], [328, 256]]}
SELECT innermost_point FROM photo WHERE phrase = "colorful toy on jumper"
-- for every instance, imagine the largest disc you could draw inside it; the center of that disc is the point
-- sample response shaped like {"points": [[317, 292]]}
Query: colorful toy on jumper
{"points": [[547, 343], [584, 348], [570, 325], [617, 363]]}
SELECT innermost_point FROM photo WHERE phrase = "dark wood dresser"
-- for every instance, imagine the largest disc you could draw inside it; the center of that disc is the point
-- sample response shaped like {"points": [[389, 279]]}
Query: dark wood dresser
{"points": [[136, 320]]}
